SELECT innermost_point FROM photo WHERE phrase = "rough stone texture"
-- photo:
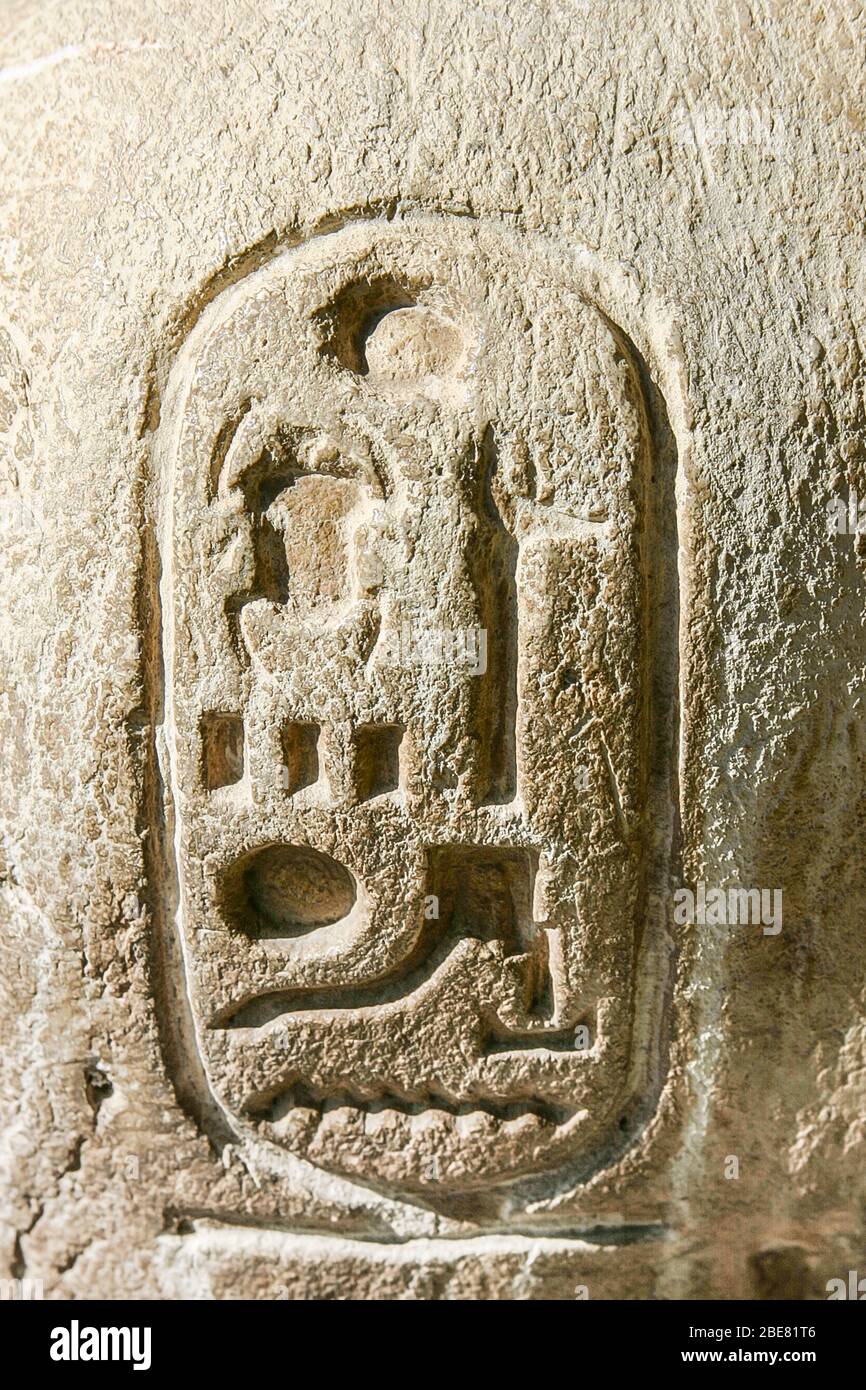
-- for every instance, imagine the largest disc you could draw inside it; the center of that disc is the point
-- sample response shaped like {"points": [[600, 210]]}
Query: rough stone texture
{"points": [[335, 965]]}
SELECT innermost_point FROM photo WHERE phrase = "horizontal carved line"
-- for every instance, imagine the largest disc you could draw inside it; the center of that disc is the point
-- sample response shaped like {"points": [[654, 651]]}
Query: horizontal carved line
{"points": [[300, 1096]]}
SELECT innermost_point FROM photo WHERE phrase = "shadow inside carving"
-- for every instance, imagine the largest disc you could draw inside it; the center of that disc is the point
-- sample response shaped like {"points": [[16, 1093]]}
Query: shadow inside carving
{"points": [[300, 747], [222, 737], [377, 759], [287, 890], [299, 540], [494, 563], [347, 323]]}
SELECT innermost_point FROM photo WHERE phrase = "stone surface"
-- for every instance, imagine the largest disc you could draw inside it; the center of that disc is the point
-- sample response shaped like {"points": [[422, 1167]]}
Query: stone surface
{"points": [[420, 433]]}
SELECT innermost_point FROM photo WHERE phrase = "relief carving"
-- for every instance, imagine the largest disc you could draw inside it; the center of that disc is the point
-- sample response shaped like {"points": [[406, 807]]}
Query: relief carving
{"points": [[418, 753]]}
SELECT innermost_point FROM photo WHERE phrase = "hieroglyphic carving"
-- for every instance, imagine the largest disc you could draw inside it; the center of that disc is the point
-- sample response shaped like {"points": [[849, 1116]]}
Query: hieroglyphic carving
{"points": [[410, 702]]}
